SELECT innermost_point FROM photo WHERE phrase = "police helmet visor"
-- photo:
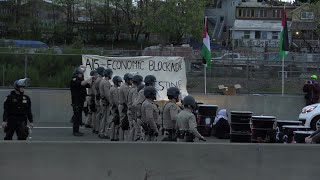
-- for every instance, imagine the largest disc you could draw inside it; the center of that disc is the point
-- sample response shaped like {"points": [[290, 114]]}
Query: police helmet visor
{"points": [[23, 82]]}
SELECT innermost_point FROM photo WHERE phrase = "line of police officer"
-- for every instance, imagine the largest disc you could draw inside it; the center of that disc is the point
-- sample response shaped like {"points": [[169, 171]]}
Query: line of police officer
{"points": [[127, 110]]}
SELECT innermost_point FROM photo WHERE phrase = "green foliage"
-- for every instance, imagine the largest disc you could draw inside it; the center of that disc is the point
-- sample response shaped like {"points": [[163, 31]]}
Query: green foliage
{"points": [[176, 19], [107, 20], [44, 70]]}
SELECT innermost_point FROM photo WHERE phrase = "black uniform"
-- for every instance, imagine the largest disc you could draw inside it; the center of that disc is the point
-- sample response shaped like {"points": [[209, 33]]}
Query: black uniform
{"points": [[78, 95], [17, 110]]}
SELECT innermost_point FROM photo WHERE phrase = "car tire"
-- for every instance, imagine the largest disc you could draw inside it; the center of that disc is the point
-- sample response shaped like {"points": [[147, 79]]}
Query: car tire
{"points": [[314, 122]]}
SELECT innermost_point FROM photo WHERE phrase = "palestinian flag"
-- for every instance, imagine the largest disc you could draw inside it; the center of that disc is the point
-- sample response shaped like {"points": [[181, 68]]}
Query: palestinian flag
{"points": [[284, 39], [206, 51]]}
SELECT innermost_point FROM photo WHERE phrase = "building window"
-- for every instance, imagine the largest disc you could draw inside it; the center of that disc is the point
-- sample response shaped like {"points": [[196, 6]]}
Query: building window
{"points": [[257, 35], [263, 13], [239, 12], [256, 13], [264, 35], [248, 13], [307, 15], [276, 13], [275, 35], [252, 12], [246, 35]]}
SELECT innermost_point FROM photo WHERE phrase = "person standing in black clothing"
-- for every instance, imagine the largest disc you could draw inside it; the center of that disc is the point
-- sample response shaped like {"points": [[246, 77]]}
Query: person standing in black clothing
{"points": [[17, 110], [78, 96], [311, 89]]}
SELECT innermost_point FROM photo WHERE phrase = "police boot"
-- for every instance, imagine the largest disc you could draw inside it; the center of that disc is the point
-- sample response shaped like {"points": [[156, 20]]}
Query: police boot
{"points": [[88, 126], [78, 134]]}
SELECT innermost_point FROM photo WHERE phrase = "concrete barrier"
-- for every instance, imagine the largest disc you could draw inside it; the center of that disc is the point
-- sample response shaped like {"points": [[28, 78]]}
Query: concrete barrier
{"points": [[54, 105], [157, 161]]}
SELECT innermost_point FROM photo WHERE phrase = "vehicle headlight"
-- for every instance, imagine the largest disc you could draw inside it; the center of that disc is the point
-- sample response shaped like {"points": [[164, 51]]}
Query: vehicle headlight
{"points": [[308, 109]]}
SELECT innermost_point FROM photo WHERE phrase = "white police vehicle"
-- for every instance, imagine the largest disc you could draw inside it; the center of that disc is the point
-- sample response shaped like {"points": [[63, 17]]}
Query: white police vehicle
{"points": [[310, 115]]}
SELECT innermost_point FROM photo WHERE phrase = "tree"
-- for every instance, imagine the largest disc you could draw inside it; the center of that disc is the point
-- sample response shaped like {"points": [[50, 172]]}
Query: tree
{"points": [[177, 19], [70, 7]]}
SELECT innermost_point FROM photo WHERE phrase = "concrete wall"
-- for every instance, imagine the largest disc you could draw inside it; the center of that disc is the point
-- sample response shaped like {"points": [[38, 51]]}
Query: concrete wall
{"points": [[54, 105], [157, 161]]}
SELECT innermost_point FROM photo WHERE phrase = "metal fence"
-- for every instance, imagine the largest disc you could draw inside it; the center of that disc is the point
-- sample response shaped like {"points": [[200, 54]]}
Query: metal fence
{"points": [[254, 72]]}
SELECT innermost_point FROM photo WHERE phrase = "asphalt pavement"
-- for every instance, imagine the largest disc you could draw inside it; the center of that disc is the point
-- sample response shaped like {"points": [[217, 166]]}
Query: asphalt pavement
{"points": [[63, 132]]}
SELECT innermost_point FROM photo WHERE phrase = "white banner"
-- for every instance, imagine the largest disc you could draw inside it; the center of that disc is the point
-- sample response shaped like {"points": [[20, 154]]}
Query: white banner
{"points": [[169, 71]]}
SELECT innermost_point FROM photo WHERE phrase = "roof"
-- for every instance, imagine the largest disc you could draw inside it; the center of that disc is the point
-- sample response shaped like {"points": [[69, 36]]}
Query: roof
{"points": [[264, 4], [303, 5], [26, 43], [261, 25]]}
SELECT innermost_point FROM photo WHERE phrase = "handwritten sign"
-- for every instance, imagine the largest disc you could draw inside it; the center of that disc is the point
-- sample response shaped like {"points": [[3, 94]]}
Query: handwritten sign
{"points": [[169, 71]]}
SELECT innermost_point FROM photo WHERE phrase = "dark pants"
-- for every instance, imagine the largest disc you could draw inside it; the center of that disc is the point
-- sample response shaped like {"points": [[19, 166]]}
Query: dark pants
{"points": [[77, 116], [18, 127], [222, 129]]}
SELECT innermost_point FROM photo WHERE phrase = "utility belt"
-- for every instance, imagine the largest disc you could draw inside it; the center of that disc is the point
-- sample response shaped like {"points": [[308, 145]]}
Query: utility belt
{"points": [[147, 129], [17, 116], [170, 131], [105, 102], [188, 136]]}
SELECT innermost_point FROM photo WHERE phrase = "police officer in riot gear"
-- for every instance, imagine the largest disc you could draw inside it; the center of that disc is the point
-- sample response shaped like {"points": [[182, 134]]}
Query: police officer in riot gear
{"points": [[186, 121], [114, 103], [123, 106], [78, 96], [169, 114], [17, 110], [149, 80], [135, 129], [90, 101], [104, 88], [96, 92], [150, 114]]}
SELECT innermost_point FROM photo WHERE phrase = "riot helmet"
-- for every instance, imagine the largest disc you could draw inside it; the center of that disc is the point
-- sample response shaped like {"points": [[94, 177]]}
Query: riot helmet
{"points": [[128, 78], [150, 92], [100, 70], [93, 73], [20, 84], [190, 102], [79, 71], [117, 80], [137, 79], [173, 93], [314, 77], [150, 80], [108, 73]]}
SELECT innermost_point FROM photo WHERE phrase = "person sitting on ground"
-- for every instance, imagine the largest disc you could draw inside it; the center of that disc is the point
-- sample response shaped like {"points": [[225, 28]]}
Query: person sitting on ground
{"points": [[314, 138], [312, 90], [221, 125]]}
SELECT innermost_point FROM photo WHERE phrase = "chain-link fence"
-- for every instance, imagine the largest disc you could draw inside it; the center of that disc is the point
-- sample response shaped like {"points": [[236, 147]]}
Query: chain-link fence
{"points": [[254, 72]]}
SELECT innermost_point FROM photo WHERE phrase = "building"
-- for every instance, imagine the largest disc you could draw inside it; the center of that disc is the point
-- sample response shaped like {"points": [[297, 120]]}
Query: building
{"points": [[304, 28], [221, 17], [258, 24]]}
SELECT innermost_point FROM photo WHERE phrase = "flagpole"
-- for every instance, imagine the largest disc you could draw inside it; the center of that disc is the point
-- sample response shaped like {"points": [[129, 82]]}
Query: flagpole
{"points": [[205, 78], [283, 75]]}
